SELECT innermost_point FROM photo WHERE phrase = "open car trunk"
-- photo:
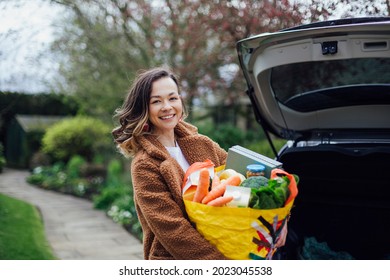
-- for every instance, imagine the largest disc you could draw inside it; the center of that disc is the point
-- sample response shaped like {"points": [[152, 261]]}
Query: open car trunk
{"points": [[325, 87], [343, 202]]}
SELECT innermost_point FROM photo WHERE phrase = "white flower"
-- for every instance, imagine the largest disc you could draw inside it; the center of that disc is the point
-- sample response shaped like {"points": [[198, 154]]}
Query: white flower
{"points": [[37, 170]]}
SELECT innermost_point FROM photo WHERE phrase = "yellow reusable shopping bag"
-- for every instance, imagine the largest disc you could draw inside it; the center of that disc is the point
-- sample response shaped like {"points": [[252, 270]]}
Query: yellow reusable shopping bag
{"points": [[242, 233]]}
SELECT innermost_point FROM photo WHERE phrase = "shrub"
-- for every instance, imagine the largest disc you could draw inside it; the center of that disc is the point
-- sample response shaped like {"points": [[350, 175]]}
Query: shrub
{"points": [[107, 197], [66, 178], [84, 136], [226, 135], [263, 147], [85, 187], [123, 211], [114, 172], [49, 177], [93, 170], [74, 165]]}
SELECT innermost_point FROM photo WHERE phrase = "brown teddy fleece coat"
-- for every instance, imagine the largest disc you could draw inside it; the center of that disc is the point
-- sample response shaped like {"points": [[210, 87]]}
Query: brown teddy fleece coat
{"points": [[157, 180]]}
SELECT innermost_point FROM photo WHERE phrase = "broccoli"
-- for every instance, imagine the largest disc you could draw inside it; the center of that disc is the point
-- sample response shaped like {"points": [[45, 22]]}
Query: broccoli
{"points": [[255, 182]]}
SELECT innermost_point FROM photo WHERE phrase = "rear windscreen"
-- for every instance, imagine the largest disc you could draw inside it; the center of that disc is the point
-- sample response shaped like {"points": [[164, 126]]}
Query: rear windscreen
{"points": [[311, 86]]}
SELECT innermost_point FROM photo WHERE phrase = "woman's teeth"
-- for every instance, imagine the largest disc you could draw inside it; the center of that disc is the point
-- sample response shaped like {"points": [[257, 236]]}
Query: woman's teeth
{"points": [[167, 117]]}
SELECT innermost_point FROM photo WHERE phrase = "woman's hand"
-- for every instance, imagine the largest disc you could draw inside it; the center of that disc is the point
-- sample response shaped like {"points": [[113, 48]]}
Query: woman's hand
{"points": [[282, 237]]}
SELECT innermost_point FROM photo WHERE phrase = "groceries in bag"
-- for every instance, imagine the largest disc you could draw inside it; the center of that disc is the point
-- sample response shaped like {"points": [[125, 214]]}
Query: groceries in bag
{"points": [[239, 230]]}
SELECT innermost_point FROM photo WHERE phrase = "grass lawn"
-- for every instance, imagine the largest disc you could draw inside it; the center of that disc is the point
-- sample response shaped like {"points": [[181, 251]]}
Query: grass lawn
{"points": [[22, 234]]}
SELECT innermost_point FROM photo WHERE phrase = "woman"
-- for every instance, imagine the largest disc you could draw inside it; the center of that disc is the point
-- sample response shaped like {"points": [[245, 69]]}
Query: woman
{"points": [[153, 131]]}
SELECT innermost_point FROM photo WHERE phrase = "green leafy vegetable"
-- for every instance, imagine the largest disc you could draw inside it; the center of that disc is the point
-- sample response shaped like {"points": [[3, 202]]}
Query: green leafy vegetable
{"points": [[272, 195]]}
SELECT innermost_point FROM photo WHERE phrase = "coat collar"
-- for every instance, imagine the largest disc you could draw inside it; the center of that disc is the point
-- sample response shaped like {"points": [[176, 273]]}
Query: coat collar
{"points": [[154, 148]]}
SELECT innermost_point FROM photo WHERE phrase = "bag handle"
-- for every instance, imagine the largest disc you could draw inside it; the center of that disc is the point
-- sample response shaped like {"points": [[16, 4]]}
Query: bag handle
{"points": [[292, 186]]}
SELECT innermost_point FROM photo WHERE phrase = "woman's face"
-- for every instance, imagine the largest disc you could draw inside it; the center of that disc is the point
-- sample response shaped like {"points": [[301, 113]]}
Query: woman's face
{"points": [[165, 105]]}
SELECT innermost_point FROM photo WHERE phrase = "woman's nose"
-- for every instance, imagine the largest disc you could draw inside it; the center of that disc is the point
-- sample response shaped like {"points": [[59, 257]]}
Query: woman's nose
{"points": [[166, 105]]}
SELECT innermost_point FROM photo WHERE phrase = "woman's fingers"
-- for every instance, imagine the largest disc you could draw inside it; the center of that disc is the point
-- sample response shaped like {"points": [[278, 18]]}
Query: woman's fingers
{"points": [[282, 237]]}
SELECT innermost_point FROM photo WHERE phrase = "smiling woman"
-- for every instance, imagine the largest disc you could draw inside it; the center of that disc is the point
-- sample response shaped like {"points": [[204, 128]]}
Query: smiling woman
{"points": [[163, 145]]}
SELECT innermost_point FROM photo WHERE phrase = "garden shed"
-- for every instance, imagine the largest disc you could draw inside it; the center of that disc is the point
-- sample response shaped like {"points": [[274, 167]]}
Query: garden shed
{"points": [[23, 137]]}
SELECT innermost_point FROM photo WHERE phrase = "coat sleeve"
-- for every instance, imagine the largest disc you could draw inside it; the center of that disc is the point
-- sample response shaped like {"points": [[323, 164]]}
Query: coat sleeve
{"points": [[165, 218], [222, 154]]}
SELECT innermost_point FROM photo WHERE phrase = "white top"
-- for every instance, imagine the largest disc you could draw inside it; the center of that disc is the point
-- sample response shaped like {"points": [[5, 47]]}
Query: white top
{"points": [[177, 154]]}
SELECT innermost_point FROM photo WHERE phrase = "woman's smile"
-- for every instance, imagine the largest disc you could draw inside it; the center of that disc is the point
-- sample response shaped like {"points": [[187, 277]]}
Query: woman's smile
{"points": [[167, 117]]}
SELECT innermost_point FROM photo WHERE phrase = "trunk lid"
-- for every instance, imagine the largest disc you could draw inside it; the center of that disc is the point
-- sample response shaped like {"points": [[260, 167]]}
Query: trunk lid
{"points": [[328, 81]]}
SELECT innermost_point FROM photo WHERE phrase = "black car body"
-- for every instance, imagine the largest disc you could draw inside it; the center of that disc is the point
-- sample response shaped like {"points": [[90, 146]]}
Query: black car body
{"points": [[325, 87]]}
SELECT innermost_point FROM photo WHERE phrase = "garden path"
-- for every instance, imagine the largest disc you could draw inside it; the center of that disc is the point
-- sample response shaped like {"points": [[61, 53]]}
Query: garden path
{"points": [[74, 229]]}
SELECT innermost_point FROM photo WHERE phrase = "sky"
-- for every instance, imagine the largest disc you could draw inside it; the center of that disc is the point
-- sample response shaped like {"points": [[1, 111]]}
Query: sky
{"points": [[26, 31]]}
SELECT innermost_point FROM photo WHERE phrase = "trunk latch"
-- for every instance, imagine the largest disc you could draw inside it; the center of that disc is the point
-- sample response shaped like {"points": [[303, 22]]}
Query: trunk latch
{"points": [[325, 137], [329, 47]]}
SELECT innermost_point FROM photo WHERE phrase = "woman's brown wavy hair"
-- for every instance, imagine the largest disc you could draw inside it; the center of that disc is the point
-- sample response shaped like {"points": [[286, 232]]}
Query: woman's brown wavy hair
{"points": [[134, 112]]}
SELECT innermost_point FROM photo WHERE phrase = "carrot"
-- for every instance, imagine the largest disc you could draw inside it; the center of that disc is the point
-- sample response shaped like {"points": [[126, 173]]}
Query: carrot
{"points": [[220, 189], [203, 185], [220, 201], [234, 180], [216, 181]]}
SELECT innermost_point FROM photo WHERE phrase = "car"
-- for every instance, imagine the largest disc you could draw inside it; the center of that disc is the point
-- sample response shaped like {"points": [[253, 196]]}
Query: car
{"points": [[325, 88]]}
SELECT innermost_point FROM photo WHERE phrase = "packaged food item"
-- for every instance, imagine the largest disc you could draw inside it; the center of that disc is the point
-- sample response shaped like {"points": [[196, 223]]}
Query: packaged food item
{"points": [[240, 196], [255, 170]]}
